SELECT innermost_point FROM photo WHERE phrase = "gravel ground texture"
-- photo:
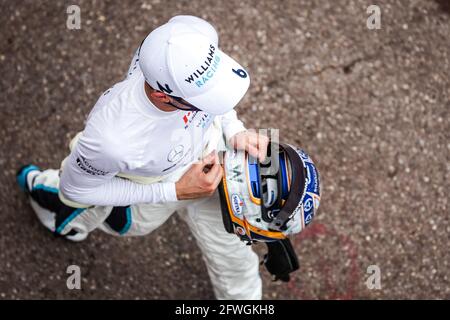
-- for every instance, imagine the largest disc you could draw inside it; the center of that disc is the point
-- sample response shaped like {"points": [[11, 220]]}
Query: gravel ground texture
{"points": [[370, 106]]}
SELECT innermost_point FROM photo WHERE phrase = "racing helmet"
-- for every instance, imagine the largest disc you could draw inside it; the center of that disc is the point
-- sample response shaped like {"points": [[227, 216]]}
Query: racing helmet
{"points": [[265, 202]]}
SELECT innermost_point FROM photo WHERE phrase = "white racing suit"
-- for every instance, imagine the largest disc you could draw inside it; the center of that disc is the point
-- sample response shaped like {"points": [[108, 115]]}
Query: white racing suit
{"points": [[232, 265]]}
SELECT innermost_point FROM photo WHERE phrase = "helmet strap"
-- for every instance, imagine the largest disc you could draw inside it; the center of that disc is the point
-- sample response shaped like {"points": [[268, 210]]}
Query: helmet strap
{"points": [[280, 259]]}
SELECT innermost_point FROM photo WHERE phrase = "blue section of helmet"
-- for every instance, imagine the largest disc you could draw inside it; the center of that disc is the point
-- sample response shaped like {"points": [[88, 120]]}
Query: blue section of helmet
{"points": [[272, 197], [253, 174], [308, 209], [302, 153], [312, 179], [312, 188], [284, 176]]}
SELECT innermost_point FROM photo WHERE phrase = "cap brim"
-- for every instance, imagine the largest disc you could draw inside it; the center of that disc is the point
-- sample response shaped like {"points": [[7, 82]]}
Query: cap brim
{"points": [[227, 91]]}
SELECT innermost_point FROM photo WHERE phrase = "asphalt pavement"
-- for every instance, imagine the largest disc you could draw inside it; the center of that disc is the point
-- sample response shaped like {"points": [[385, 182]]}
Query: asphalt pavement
{"points": [[371, 106]]}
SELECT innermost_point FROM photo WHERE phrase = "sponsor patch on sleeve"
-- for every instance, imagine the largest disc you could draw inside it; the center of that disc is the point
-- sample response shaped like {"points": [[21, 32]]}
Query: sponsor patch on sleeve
{"points": [[84, 165]]}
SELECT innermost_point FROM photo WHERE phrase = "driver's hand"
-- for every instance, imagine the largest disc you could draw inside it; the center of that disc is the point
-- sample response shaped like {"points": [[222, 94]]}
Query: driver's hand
{"points": [[201, 180], [252, 142]]}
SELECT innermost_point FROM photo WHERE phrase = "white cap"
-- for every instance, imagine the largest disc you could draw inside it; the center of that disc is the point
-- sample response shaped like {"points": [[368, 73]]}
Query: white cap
{"points": [[200, 25], [181, 58]]}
